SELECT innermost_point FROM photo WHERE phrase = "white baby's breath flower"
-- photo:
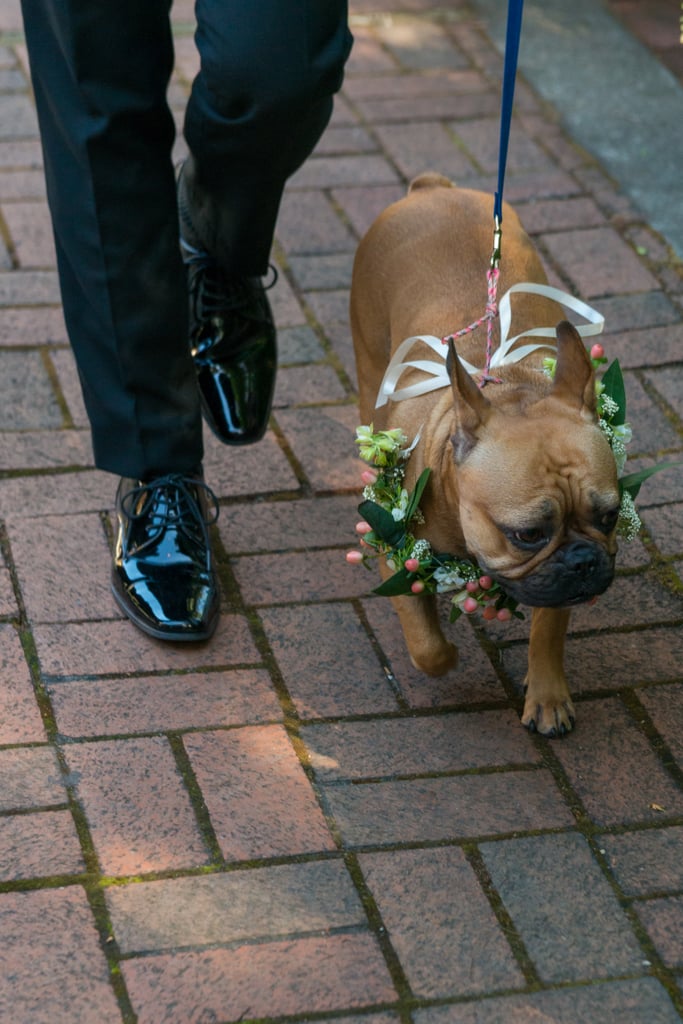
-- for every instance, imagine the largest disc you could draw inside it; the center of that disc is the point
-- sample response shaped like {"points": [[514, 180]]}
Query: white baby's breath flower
{"points": [[619, 452], [609, 406], [628, 524], [422, 550], [606, 429]]}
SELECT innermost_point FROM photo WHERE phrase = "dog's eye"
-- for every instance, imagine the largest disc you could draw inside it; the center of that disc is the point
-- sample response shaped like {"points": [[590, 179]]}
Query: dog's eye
{"points": [[608, 520], [531, 538]]}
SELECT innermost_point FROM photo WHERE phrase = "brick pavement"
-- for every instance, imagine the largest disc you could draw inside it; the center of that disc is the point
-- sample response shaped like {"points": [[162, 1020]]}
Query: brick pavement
{"points": [[291, 823]]}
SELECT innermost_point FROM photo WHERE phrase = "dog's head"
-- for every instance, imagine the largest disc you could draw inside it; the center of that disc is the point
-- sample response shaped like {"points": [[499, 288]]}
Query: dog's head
{"points": [[537, 483]]}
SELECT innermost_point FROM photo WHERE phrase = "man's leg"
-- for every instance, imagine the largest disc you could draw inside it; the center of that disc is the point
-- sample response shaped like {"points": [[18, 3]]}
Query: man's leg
{"points": [[100, 72], [258, 106], [262, 98]]}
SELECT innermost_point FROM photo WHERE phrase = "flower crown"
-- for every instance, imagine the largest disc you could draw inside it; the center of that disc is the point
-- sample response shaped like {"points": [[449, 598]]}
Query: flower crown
{"points": [[389, 511]]}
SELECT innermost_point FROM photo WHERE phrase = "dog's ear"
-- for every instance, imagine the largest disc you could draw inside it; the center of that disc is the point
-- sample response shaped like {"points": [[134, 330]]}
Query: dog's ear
{"points": [[574, 375], [472, 408]]}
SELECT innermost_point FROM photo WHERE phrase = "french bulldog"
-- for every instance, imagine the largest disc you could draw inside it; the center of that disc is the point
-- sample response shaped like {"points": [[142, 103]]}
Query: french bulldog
{"points": [[522, 478]]}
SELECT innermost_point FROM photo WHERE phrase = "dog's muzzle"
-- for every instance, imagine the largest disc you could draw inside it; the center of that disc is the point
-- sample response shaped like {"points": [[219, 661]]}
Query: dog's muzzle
{"points": [[575, 573]]}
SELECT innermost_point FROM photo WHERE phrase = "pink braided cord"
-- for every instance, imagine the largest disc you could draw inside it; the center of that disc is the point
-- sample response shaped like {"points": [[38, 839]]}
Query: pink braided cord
{"points": [[492, 275]]}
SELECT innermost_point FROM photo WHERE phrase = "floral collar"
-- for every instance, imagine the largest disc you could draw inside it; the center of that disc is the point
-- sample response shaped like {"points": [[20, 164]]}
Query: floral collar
{"points": [[389, 511]]}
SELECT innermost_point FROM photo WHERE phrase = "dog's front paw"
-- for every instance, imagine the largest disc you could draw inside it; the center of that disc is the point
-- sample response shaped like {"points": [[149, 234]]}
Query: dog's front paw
{"points": [[551, 715], [435, 660]]}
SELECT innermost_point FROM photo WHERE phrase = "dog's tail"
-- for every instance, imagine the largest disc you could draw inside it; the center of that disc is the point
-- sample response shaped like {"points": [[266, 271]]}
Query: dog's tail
{"points": [[430, 179]]}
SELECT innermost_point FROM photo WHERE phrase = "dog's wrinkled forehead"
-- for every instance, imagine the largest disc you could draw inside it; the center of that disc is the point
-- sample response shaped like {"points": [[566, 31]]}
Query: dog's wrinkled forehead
{"points": [[541, 469]]}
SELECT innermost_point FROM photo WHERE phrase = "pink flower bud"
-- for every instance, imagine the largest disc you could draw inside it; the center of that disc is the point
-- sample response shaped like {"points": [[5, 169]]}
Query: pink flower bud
{"points": [[369, 476], [471, 586], [485, 582], [354, 557], [489, 613], [412, 564], [363, 527], [469, 605], [417, 587], [597, 351], [504, 615]]}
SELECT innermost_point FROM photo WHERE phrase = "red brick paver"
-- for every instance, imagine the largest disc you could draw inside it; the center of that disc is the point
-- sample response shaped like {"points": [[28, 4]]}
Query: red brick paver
{"points": [[53, 966], [291, 822], [308, 975]]}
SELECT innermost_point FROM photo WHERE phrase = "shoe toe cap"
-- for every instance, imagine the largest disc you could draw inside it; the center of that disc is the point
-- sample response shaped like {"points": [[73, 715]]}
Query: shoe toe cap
{"points": [[173, 603], [237, 395]]}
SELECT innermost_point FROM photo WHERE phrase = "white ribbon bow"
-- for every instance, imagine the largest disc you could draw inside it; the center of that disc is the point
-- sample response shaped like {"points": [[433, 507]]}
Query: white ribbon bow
{"points": [[502, 356]]}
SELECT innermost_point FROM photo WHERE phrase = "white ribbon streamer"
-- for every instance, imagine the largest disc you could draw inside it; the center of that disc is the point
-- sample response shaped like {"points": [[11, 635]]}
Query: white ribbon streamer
{"points": [[503, 356]]}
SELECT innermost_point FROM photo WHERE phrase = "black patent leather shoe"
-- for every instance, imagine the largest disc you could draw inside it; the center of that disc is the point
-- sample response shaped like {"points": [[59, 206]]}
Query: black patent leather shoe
{"points": [[162, 577], [233, 344], [232, 336]]}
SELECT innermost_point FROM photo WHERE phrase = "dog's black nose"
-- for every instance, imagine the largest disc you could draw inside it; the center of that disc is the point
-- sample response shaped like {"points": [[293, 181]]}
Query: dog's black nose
{"points": [[581, 558]]}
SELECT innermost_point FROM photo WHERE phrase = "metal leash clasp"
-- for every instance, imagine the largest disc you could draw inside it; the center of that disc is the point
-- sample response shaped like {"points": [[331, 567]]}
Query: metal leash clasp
{"points": [[497, 235]]}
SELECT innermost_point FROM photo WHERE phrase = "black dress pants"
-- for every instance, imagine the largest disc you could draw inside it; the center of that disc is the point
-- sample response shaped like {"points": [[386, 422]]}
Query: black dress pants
{"points": [[263, 95]]}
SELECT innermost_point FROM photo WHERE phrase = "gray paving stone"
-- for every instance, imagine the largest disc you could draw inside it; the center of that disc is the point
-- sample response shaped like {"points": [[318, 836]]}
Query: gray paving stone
{"points": [[563, 908], [27, 398]]}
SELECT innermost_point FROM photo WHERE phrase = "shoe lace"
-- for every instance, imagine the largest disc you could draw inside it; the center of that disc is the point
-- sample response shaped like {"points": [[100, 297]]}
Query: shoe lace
{"points": [[172, 501], [215, 293]]}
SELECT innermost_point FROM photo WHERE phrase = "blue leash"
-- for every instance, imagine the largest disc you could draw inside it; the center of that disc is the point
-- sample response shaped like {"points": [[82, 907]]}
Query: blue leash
{"points": [[514, 32]]}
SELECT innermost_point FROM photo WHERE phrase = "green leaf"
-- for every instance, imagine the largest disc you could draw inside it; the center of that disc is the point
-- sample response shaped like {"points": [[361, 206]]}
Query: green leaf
{"points": [[397, 584], [633, 481], [613, 383], [383, 523], [414, 499]]}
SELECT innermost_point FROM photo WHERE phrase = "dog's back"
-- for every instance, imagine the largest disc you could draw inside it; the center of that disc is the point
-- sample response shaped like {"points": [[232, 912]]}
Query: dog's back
{"points": [[421, 269]]}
